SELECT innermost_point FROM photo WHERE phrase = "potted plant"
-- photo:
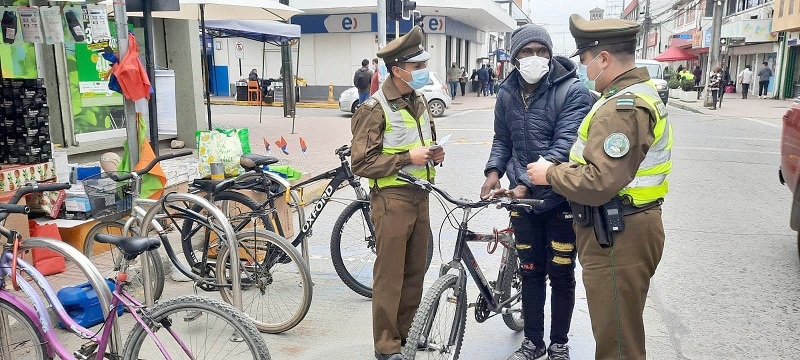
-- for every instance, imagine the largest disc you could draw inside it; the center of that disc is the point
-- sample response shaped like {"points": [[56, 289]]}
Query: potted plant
{"points": [[688, 94], [674, 85]]}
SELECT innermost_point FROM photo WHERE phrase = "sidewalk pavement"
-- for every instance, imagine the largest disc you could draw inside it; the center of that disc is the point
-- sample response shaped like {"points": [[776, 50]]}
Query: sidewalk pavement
{"points": [[734, 106]]}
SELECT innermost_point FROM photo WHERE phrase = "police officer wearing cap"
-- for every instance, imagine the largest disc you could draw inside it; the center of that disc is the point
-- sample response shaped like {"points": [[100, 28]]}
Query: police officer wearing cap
{"points": [[616, 182], [392, 131]]}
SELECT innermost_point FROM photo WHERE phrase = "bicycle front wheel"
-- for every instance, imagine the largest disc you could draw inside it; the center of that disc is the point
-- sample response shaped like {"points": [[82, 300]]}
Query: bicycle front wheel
{"points": [[19, 337], [195, 327], [276, 283], [108, 259], [441, 316], [511, 285], [353, 248]]}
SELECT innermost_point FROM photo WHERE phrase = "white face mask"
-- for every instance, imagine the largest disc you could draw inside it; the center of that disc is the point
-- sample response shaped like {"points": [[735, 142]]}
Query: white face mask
{"points": [[533, 68]]}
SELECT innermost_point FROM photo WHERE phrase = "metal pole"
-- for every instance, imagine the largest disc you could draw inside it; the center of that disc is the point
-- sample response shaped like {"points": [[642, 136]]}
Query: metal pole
{"points": [[152, 107], [381, 23], [396, 29], [713, 53], [646, 29], [131, 127], [260, 85], [206, 69]]}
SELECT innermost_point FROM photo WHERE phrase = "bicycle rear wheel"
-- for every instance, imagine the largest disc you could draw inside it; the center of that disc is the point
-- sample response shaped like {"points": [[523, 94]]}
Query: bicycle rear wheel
{"points": [[510, 285], [442, 313], [353, 248], [108, 259], [209, 329], [276, 283], [19, 337]]}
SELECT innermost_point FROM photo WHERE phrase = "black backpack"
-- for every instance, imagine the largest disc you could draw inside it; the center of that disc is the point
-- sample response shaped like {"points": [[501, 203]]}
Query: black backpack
{"points": [[561, 94], [363, 79]]}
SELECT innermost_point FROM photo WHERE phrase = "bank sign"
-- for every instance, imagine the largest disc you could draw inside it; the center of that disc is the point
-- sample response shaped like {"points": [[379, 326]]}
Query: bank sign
{"points": [[434, 24], [339, 23]]}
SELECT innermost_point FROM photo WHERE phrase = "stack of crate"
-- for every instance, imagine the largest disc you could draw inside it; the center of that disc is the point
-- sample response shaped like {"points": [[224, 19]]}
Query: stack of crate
{"points": [[25, 122]]}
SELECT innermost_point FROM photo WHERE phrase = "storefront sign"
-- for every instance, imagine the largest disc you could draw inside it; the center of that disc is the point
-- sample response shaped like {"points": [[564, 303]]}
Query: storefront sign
{"points": [[52, 24], [239, 49], [31, 25], [434, 25], [697, 40], [707, 38], [348, 23], [652, 39]]}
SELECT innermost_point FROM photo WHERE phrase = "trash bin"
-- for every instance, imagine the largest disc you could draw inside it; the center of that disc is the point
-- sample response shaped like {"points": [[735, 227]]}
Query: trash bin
{"points": [[241, 91]]}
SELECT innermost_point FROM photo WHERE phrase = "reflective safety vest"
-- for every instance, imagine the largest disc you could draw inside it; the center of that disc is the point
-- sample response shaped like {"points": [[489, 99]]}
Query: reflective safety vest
{"points": [[401, 135], [650, 183], [687, 75]]}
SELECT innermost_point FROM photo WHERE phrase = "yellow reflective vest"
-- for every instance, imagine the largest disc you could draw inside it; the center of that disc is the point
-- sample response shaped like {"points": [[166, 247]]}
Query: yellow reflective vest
{"points": [[402, 134], [650, 183]]}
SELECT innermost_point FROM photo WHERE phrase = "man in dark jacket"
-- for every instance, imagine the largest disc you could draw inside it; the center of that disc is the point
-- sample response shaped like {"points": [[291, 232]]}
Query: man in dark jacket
{"points": [[483, 80], [362, 80], [531, 124]]}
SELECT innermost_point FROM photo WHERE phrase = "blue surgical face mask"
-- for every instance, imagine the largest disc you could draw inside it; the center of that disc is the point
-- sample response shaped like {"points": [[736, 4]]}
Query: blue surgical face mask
{"points": [[419, 78], [590, 84]]}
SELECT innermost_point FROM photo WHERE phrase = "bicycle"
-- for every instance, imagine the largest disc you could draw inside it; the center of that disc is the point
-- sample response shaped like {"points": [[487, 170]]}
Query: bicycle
{"points": [[28, 332], [442, 336], [118, 194], [352, 256]]}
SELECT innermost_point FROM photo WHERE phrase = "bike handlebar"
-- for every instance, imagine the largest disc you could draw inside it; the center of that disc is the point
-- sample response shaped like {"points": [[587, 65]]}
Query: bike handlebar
{"points": [[14, 209], [28, 188], [503, 202], [149, 166]]}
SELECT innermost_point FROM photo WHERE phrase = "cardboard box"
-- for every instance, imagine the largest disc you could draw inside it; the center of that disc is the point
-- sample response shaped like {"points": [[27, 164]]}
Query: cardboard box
{"points": [[78, 204], [285, 213]]}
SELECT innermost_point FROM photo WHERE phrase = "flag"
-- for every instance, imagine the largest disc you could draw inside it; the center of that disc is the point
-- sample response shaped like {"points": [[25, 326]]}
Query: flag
{"points": [[283, 145], [266, 146], [303, 146]]}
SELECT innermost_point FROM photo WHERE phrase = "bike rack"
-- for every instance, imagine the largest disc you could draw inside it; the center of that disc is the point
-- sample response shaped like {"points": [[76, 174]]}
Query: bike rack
{"points": [[224, 224], [88, 269]]}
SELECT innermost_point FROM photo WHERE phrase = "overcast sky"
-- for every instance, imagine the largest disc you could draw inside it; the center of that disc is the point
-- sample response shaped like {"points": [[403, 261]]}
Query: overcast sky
{"points": [[554, 15]]}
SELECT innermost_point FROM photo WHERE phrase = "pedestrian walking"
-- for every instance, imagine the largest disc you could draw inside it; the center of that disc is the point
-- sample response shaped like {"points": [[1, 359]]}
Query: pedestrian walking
{"points": [[383, 143], [362, 80], [525, 131], [745, 78], [714, 80], [698, 74], [615, 181], [463, 80], [492, 79], [483, 80], [764, 74], [375, 81], [453, 73]]}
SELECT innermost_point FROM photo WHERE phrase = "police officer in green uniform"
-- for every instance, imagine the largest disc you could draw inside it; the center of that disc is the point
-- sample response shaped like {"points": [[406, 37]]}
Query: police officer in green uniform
{"points": [[393, 131], [616, 182]]}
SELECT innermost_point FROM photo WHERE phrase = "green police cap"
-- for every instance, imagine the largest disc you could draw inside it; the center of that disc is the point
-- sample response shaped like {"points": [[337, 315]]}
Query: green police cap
{"points": [[407, 48], [589, 34]]}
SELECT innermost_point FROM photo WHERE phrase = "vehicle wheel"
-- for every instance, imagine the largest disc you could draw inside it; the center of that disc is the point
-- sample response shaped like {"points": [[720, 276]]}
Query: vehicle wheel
{"points": [[20, 338], [511, 285], [107, 258], [354, 107], [206, 328], [242, 213], [436, 107], [444, 307], [276, 283], [353, 248]]}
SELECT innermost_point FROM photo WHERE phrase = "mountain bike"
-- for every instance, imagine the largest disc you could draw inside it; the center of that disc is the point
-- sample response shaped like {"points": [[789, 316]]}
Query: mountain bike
{"points": [[437, 330], [167, 329], [352, 242]]}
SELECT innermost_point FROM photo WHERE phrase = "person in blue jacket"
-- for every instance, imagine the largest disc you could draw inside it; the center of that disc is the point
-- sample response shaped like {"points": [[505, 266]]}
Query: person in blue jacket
{"points": [[539, 108]]}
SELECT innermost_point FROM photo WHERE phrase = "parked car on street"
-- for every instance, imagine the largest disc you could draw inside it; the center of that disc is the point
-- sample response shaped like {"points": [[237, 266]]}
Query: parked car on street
{"points": [[656, 71], [437, 93], [789, 171]]}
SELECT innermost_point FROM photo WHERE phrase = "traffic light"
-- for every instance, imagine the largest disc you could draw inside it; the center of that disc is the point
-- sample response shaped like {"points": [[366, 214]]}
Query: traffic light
{"points": [[394, 9], [408, 8]]}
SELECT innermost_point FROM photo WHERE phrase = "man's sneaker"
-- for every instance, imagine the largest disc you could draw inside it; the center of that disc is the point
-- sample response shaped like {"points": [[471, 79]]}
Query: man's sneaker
{"points": [[558, 352], [529, 351]]}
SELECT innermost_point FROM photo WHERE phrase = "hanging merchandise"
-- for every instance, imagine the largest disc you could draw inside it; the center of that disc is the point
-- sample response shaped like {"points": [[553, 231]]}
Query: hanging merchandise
{"points": [[9, 25], [222, 145], [74, 23], [131, 74], [17, 58], [52, 24], [31, 24], [98, 22], [154, 181]]}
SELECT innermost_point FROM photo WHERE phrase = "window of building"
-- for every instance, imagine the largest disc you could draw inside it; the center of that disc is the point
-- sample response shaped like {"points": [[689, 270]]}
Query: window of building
{"points": [[780, 9], [466, 54], [691, 14], [459, 59], [681, 18], [448, 52], [791, 7]]}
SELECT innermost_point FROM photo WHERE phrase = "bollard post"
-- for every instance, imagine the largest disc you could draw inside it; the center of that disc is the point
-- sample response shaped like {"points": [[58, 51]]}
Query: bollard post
{"points": [[330, 93]]}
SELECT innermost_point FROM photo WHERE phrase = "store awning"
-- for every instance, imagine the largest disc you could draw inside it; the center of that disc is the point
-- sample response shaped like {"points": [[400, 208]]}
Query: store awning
{"points": [[226, 10], [258, 30], [674, 54]]}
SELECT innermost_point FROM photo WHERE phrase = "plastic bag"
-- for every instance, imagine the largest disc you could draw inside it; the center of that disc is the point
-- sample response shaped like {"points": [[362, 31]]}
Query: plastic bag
{"points": [[225, 146]]}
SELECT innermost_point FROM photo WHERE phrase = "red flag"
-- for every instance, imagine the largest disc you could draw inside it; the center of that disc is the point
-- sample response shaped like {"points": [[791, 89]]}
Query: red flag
{"points": [[266, 145], [283, 145], [303, 146]]}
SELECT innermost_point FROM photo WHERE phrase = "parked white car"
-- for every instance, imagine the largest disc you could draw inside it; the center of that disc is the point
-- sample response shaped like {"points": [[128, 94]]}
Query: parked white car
{"points": [[437, 93], [655, 69]]}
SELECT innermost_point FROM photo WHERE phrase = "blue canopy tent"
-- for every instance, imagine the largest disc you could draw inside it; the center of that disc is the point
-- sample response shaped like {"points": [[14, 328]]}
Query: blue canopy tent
{"points": [[267, 32]]}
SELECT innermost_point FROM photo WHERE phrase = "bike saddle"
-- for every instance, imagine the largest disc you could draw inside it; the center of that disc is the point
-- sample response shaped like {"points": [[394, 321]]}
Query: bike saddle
{"points": [[252, 161], [130, 246], [213, 186]]}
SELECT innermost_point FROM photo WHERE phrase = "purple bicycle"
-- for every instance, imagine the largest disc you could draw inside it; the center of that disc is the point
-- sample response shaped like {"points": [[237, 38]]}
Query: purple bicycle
{"points": [[186, 327]]}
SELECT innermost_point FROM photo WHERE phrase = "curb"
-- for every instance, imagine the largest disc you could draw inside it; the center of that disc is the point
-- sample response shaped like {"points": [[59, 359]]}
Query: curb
{"points": [[682, 106], [277, 104]]}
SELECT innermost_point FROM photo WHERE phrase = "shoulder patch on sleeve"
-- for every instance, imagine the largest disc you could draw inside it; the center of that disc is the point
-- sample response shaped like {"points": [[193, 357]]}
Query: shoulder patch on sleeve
{"points": [[370, 102], [625, 102]]}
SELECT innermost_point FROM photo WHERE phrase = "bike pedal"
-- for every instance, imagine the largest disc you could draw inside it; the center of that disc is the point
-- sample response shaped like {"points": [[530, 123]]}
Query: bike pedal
{"points": [[471, 305], [86, 351]]}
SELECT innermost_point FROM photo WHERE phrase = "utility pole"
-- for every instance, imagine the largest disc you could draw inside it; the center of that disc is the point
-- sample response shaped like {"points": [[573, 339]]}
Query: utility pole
{"points": [[713, 53], [646, 27], [381, 23]]}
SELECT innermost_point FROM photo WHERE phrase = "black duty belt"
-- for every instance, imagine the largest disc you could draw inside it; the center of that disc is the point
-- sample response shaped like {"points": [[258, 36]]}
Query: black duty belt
{"points": [[630, 209]]}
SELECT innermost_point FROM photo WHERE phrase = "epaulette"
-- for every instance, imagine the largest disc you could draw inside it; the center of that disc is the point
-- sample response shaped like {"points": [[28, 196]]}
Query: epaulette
{"points": [[625, 102], [371, 102]]}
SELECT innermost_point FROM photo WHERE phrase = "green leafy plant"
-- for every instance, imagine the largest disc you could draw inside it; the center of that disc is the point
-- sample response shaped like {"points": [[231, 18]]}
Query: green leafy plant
{"points": [[687, 85], [673, 83]]}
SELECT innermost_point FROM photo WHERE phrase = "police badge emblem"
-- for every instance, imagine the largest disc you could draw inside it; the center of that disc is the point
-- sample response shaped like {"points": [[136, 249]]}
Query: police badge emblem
{"points": [[616, 145]]}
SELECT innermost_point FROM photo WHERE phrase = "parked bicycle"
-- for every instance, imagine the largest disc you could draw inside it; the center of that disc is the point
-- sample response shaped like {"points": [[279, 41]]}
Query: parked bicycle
{"points": [[167, 329], [352, 243], [437, 330]]}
